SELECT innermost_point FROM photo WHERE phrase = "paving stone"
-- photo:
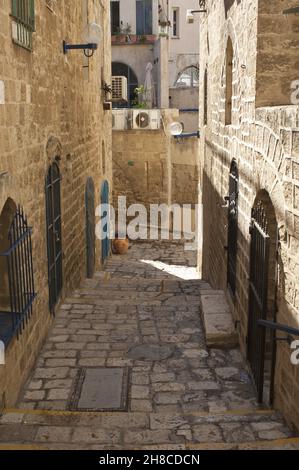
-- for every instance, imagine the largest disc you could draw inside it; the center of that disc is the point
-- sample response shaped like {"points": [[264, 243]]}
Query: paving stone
{"points": [[53, 434], [51, 373], [207, 433], [162, 421], [96, 435], [58, 394], [146, 437], [35, 395], [140, 392]]}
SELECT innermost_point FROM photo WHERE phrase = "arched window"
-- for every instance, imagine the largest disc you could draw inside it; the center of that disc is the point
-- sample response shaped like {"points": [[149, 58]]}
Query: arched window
{"points": [[120, 69], [229, 82], [189, 77], [17, 291], [205, 99]]}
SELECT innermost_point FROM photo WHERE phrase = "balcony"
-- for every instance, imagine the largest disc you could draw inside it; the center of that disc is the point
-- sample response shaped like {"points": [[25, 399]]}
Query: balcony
{"points": [[132, 39]]}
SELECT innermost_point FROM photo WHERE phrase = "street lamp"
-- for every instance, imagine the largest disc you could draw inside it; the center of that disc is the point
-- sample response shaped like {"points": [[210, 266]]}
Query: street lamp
{"points": [[91, 38]]}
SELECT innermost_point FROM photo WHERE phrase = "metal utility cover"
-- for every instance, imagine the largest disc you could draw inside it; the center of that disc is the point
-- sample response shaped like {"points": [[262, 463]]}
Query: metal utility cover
{"points": [[100, 389]]}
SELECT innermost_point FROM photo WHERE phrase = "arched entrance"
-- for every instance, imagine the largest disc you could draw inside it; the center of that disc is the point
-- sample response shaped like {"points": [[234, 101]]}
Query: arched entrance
{"points": [[262, 295], [120, 69], [54, 242], [6, 219], [90, 227], [105, 227], [233, 227]]}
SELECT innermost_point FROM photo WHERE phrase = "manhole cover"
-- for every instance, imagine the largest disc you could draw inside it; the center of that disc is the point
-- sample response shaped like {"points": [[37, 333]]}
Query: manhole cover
{"points": [[100, 389], [151, 352]]}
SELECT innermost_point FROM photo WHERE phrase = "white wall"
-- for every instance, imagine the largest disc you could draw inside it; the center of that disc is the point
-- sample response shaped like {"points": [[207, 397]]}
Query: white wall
{"points": [[184, 51]]}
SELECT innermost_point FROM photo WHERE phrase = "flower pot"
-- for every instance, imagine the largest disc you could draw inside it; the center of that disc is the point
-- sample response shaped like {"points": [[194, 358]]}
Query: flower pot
{"points": [[120, 247]]}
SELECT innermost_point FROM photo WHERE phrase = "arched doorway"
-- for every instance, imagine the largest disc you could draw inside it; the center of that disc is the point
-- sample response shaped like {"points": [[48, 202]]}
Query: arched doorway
{"points": [[54, 241], [120, 69], [105, 227], [6, 219], [233, 227], [90, 227], [261, 346]]}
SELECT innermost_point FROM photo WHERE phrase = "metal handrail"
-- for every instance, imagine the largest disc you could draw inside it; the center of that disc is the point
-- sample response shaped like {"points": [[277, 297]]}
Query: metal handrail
{"points": [[291, 331]]}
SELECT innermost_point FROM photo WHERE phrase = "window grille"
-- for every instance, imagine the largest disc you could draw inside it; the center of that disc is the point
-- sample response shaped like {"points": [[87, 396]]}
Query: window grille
{"points": [[23, 24], [19, 272]]}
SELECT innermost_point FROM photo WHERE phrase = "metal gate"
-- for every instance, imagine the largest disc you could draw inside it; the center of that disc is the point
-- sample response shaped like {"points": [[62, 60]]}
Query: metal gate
{"points": [[233, 227], [53, 217], [258, 295], [105, 227], [90, 227]]}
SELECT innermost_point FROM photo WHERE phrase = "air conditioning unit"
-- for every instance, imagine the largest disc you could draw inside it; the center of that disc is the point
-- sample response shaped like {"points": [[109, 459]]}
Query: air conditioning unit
{"points": [[119, 119], [119, 89], [146, 119]]}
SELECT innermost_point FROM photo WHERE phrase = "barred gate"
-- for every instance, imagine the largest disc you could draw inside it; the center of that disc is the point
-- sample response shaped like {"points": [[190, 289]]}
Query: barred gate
{"points": [[20, 277], [54, 236], [258, 294], [233, 227]]}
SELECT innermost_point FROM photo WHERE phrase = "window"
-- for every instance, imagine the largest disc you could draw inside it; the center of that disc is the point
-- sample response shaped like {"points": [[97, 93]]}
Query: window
{"points": [[17, 291], [175, 22], [188, 78], [205, 99], [229, 82], [144, 17], [115, 17], [23, 24]]}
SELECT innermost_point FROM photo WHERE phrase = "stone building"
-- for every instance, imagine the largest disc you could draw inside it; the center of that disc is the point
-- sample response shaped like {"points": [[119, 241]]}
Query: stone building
{"points": [[250, 182], [55, 161]]}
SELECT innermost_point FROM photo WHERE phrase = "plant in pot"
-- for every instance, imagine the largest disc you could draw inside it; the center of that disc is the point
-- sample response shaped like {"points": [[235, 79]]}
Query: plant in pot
{"points": [[138, 102]]}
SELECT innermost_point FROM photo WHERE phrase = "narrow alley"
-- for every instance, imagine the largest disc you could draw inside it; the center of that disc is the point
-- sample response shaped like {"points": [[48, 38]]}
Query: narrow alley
{"points": [[140, 317]]}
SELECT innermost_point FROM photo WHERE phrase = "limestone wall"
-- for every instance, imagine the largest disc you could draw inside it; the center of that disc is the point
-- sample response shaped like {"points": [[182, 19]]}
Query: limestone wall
{"points": [[263, 141], [52, 107], [149, 167]]}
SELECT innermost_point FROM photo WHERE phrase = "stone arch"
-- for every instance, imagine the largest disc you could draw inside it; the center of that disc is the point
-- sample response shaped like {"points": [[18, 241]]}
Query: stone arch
{"points": [[53, 150], [189, 74], [121, 68], [6, 218]]}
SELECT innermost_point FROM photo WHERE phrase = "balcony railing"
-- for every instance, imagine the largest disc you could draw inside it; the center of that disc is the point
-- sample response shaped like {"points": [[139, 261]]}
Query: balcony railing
{"points": [[132, 39]]}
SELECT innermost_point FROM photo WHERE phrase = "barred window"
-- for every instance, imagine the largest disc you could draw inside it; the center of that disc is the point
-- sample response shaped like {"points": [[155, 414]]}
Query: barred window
{"points": [[23, 24]]}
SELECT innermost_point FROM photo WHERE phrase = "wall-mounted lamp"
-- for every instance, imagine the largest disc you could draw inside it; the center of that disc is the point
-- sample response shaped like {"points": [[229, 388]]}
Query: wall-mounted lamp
{"points": [[190, 13], [176, 128], [91, 38]]}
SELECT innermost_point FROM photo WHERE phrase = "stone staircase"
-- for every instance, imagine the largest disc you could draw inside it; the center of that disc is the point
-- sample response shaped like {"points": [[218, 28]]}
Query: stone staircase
{"points": [[56, 430]]}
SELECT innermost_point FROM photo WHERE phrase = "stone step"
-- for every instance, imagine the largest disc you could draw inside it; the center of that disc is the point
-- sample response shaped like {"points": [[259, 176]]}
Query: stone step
{"points": [[236, 429], [218, 323]]}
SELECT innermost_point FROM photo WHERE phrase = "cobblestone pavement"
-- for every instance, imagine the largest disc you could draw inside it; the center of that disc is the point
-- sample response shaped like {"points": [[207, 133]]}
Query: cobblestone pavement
{"points": [[142, 313]]}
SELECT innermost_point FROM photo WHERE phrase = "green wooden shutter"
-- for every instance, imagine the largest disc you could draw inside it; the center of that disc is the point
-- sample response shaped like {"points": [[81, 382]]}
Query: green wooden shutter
{"points": [[32, 14], [14, 8]]}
